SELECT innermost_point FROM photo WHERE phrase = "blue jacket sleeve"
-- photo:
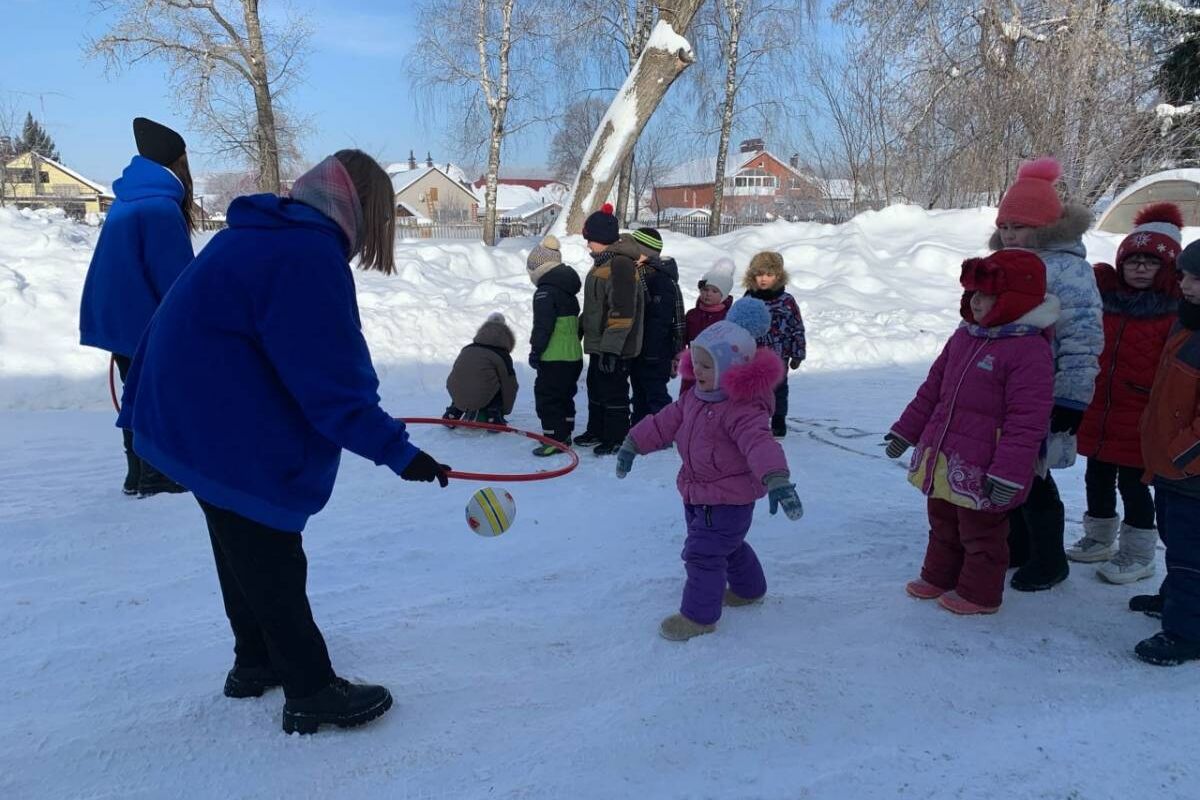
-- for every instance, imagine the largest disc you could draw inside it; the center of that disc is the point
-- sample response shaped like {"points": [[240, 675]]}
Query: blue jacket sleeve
{"points": [[310, 332], [1079, 333], [166, 245]]}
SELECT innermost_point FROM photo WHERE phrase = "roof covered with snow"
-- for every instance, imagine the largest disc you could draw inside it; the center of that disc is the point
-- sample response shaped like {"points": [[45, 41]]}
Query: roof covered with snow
{"points": [[703, 171], [531, 209]]}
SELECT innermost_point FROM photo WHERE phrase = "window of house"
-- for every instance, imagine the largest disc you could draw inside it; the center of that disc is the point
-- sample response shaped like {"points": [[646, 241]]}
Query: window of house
{"points": [[432, 194]]}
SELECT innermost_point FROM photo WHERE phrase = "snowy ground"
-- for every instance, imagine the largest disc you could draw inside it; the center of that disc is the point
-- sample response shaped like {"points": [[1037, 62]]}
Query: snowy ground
{"points": [[529, 666]]}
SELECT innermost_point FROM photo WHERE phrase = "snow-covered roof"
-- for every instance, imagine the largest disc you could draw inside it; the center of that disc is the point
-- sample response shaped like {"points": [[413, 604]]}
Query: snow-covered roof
{"points": [[1179, 186], [683, 213], [101, 189], [703, 171], [450, 169], [509, 196], [403, 180], [531, 209], [417, 215], [836, 188]]}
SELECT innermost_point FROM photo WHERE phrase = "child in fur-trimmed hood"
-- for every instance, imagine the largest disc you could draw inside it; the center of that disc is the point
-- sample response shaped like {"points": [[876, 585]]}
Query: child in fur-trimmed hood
{"points": [[766, 279], [978, 423], [730, 460], [1031, 215]]}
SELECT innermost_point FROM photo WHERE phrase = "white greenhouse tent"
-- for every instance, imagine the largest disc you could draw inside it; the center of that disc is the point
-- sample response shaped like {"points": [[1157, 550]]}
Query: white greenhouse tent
{"points": [[1178, 186]]}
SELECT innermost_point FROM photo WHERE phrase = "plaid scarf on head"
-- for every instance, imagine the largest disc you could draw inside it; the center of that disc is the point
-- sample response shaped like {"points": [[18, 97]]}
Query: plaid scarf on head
{"points": [[328, 188]]}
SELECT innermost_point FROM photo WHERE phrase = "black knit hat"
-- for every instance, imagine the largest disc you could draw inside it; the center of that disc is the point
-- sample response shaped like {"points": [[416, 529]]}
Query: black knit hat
{"points": [[649, 238], [601, 226], [157, 142], [1189, 260]]}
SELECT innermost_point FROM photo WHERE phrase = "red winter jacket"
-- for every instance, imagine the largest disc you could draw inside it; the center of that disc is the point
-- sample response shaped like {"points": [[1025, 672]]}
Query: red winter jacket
{"points": [[1136, 326]]}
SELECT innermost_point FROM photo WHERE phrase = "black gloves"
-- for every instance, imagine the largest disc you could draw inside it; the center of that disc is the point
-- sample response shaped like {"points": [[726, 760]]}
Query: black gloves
{"points": [[1065, 420], [896, 446], [425, 468], [608, 362], [534, 360]]}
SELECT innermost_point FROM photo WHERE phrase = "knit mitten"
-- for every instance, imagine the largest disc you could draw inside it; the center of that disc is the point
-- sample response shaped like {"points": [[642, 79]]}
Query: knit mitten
{"points": [[782, 492], [896, 446], [625, 455]]}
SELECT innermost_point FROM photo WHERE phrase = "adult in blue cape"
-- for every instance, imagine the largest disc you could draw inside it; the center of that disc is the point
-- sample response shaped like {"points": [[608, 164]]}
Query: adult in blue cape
{"points": [[251, 379], [144, 245]]}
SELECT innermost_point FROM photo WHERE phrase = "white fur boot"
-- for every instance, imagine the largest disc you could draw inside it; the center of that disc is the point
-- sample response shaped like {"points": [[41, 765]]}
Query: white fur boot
{"points": [[1097, 541]]}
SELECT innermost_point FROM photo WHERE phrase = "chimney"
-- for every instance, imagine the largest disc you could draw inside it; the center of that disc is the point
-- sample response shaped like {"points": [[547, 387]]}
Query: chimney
{"points": [[412, 161], [794, 161], [428, 159], [752, 146]]}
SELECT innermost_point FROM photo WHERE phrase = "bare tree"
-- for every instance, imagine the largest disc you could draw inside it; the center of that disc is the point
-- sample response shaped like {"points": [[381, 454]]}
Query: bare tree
{"points": [[228, 68], [571, 140], [651, 162], [665, 56], [9, 143], [485, 62]]}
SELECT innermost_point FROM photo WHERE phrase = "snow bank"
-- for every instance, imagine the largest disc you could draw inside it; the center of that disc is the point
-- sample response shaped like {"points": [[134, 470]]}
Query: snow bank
{"points": [[878, 290]]}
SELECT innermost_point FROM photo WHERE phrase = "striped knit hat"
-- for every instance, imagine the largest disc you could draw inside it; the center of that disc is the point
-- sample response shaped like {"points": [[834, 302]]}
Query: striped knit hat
{"points": [[544, 257], [649, 241]]}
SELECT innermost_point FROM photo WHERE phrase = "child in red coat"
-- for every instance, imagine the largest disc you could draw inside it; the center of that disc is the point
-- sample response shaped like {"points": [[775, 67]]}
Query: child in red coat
{"points": [[711, 307], [1141, 298]]}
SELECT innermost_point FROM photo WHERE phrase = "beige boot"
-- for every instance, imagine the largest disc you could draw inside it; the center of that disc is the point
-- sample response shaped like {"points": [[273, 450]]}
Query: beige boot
{"points": [[1134, 560], [678, 628], [735, 601], [1097, 542]]}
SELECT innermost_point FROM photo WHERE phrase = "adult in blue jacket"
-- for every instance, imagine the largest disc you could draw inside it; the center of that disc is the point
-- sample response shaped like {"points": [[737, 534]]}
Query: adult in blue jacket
{"points": [[251, 379], [145, 243]]}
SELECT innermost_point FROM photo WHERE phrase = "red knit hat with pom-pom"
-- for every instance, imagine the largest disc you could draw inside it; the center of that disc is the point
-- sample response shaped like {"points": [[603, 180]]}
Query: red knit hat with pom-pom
{"points": [[1032, 199], [1156, 233]]}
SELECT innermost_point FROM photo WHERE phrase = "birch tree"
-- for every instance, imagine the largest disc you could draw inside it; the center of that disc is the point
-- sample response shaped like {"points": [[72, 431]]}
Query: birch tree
{"points": [[665, 56], [229, 69], [482, 57]]}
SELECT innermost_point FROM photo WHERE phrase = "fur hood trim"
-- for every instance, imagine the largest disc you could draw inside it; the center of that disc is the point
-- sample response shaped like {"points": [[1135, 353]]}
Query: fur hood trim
{"points": [[754, 380], [765, 263], [1069, 228]]}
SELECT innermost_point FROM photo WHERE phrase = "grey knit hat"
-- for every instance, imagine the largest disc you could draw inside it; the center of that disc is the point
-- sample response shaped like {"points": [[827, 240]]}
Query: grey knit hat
{"points": [[544, 257]]}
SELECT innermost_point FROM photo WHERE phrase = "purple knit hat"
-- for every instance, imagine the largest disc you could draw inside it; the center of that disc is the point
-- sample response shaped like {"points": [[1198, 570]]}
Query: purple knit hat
{"points": [[328, 188]]}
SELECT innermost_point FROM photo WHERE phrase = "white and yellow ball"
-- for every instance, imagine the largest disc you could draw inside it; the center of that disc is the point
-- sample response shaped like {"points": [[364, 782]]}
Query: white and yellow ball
{"points": [[490, 512]]}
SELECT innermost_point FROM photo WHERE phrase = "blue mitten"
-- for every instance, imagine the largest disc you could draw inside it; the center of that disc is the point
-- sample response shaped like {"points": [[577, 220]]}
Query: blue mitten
{"points": [[625, 457], [781, 492]]}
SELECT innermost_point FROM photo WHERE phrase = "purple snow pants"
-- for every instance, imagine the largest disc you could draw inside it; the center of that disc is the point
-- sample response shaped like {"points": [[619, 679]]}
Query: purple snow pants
{"points": [[715, 553]]}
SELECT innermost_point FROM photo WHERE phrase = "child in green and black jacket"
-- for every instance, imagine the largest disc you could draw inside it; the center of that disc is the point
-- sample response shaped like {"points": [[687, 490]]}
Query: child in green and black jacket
{"points": [[554, 348]]}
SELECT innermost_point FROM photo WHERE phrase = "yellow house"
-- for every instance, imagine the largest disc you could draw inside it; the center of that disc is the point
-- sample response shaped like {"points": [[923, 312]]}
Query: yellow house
{"points": [[51, 185]]}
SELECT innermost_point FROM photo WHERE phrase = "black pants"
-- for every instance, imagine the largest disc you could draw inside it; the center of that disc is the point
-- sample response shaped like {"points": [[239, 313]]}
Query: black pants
{"points": [[1103, 480], [554, 397], [1035, 535], [781, 397], [263, 574], [608, 401], [123, 363], [649, 378]]}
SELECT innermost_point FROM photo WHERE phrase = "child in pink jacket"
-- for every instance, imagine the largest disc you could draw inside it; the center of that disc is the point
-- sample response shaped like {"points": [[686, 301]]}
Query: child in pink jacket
{"points": [[978, 423], [730, 460]]}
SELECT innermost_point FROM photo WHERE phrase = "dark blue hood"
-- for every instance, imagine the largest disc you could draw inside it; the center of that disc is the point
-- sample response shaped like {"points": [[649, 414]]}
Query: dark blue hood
{"points": [[144, 178], [272, 212]]}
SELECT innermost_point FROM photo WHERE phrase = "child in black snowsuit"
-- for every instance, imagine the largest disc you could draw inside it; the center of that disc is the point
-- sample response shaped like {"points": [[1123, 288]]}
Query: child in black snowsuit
{"points": [[767, 280], [482, 383], [662, 329], [554, 349]]}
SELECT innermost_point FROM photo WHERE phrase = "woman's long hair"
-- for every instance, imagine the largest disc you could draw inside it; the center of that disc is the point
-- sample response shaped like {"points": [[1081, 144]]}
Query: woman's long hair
{"points": [[187, 204], [374, 188]]}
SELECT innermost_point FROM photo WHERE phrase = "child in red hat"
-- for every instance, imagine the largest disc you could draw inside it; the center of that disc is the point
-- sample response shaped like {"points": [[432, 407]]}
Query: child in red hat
{"points": [[978, 423], [1141, 300]]}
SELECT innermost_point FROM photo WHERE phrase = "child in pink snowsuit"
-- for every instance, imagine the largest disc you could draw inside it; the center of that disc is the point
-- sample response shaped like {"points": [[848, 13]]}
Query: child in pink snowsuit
{"points": [[730, 460], [978, 423]]}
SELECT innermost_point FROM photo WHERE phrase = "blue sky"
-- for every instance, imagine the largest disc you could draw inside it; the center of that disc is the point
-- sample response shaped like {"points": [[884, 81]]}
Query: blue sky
{"points": [[356, 89]]}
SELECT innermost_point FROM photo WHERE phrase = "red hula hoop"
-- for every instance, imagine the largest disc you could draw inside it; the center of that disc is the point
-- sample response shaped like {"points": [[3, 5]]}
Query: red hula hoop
{"points": [[487, 426], [112, 383], [451, 423]]}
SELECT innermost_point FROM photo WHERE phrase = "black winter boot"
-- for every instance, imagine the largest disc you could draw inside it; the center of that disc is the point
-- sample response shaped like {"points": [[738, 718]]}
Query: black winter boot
{"points": [[1167, 650], [152, 482], [778, 426], [1044, 517], [587, 439], [249, 681], [1149, 604], [133, 473], [606, 449], [340, 703], [1018, 539]]}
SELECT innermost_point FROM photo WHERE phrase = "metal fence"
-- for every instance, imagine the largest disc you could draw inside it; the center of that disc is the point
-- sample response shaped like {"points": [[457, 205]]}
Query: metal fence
{"points": [[699, 227], [462, 230]]}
